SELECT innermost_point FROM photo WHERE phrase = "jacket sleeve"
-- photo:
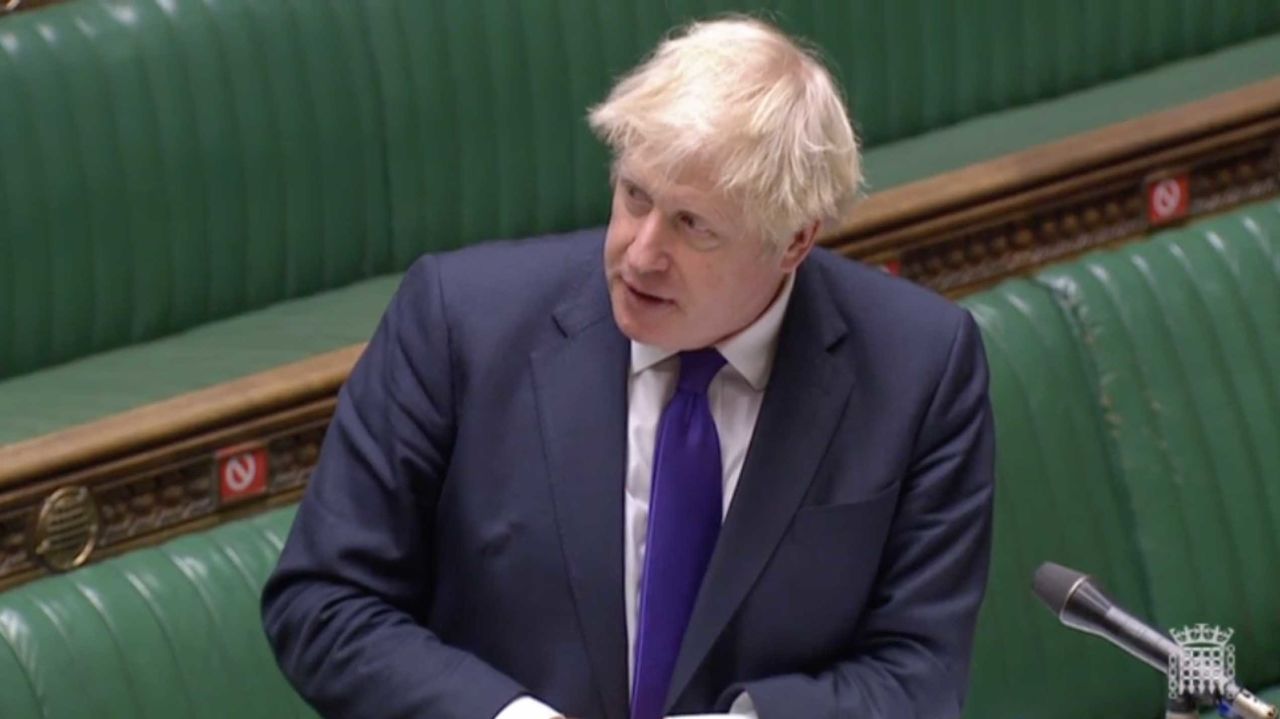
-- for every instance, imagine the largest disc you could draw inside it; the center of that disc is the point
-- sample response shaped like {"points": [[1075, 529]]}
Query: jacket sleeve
{"points": [[911, 657], [344, 608]]}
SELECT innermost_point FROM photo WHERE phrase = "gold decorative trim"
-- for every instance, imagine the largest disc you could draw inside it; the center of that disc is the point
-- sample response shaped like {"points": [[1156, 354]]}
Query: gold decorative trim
{"points": [[66, 528], [138, 500]]}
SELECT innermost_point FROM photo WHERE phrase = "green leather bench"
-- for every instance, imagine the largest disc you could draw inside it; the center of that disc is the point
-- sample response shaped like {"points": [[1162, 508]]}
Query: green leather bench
{"points": [[1058, 497], [1137, 400], [191, 191], [169, 631], [1137, 407]]}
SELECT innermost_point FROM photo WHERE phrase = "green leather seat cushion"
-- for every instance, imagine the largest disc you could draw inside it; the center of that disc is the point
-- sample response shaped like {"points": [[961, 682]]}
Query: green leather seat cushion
{"points": [[989, 136], [169, 631], [110, 382]]}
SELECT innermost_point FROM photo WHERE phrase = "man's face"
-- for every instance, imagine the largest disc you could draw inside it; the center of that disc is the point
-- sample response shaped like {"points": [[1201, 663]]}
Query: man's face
{"points": [[683, 272]]}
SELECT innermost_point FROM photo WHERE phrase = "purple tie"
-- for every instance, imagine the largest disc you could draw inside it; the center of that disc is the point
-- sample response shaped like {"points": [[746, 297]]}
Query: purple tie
{"points": [[684, 521]]}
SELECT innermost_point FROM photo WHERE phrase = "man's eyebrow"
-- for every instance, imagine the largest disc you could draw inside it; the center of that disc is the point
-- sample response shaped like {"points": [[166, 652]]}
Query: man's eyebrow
{"points": [[678, 203], [681, 204]]}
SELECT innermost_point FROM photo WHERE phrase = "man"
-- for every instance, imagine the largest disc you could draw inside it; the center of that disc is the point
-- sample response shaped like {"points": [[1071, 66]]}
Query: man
{"points": [[693, 466]]}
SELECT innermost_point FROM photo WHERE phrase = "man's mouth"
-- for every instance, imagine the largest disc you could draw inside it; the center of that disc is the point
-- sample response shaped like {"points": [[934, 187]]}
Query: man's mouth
{"points": [[644, 297]]}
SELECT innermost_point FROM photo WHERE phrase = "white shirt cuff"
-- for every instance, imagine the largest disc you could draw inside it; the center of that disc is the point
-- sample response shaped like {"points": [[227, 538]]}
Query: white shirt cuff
{"points": [[743, 707], [528, 708]]}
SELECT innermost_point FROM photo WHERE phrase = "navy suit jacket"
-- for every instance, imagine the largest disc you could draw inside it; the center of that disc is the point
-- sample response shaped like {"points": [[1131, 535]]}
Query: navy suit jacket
{"points": [[461, 540]]}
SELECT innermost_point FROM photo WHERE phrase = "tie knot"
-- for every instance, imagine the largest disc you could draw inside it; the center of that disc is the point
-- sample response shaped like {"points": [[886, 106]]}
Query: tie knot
{"points": [[698, 368]]}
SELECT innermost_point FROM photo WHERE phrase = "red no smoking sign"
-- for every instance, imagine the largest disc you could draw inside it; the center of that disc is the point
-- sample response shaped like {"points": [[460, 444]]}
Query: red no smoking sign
{"points": [[1168, 199], [242, 472]]}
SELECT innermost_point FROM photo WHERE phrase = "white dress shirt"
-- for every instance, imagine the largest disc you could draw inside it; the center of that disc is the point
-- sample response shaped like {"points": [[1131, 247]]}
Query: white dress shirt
{"points": [[735, 395]]}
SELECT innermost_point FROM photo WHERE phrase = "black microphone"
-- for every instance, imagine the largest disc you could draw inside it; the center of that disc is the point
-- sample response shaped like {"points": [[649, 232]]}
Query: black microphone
{"points": [[1081, 604]]}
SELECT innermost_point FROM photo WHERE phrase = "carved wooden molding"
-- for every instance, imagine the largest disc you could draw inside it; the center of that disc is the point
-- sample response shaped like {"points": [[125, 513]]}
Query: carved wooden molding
{"points": [[234, 449], [164, 469], [15, 6], [960, 231]]}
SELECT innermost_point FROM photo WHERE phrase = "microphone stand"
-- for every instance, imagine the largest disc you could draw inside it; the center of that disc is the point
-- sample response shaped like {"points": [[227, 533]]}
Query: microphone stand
{"points": [[1233, 702], [1081, 605], [1181, 707]]}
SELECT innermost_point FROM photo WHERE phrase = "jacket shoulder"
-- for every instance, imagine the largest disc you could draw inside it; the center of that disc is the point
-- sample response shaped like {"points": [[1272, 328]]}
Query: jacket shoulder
{"points": [[871, 297], [507, 274]]}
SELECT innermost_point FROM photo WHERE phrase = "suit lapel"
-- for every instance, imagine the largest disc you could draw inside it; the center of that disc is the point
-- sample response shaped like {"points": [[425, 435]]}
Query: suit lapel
{"points": [[803, 403], [580, 382]]}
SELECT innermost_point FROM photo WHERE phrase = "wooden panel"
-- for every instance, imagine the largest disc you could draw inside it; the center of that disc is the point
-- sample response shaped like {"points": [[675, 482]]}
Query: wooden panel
{"points": [[154, 472], [963, 230], [13, 6]]}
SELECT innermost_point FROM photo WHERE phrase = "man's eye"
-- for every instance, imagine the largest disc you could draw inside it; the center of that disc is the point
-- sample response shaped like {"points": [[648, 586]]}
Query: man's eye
{"points": [[634, 193], [695, 224]]}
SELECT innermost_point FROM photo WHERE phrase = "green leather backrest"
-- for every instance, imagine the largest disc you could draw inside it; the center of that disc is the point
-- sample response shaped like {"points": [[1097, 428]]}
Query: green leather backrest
{"points": [[170, 631], [166, 163], [1057, 498], [1183, 333], [163, 164]]}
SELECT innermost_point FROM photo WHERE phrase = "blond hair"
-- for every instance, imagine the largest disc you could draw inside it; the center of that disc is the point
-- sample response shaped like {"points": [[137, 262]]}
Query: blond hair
{"points": [[738, 97]]}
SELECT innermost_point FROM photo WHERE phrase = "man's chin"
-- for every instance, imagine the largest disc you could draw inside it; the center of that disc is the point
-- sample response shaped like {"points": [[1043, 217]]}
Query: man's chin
{"points": [[649, 333]]}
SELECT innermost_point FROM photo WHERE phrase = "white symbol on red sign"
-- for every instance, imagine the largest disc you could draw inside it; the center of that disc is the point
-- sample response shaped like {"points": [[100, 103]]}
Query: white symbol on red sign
{"points": [[1167, 199], [242, 473]]}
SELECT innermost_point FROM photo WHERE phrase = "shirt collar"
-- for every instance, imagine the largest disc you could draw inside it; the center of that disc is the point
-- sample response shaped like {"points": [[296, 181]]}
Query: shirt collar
{"points": [[750, 352]]}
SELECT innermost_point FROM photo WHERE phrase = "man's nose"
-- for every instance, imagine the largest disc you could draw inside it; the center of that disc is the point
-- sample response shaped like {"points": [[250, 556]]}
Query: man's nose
{"points": [[649, 251]]}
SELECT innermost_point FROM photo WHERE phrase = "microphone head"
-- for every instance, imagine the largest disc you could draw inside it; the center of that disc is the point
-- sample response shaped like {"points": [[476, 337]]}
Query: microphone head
{"points": [[1080, 604], [1053, 584]]}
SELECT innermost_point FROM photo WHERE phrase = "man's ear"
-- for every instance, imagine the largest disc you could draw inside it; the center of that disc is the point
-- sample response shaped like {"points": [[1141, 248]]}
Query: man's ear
{"points": [[801, 243]]}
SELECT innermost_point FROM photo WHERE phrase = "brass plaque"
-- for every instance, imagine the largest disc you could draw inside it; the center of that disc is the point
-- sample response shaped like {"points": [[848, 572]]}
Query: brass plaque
{"points": [[66, 529]]}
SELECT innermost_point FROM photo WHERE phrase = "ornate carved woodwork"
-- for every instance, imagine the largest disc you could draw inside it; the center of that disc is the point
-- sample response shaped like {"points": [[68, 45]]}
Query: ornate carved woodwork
{"points": [[156, 472], [13, 6], [964, 230]]}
